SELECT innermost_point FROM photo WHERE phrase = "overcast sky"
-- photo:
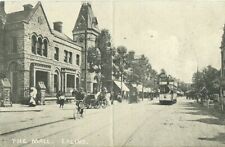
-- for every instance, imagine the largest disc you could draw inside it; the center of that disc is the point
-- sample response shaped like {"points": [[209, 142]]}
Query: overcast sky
{"points": [[177, 35]]}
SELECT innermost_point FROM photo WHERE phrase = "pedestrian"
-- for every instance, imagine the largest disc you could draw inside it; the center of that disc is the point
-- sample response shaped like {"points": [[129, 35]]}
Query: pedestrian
{"points": [[62, 99], [108, 97], [33, 94], [112, 97], [58, 94], [119, 97], [75, 93]]}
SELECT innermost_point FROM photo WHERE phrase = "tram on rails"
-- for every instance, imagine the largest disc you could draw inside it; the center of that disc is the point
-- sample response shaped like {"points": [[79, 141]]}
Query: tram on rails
{"points": [[167, 92]]}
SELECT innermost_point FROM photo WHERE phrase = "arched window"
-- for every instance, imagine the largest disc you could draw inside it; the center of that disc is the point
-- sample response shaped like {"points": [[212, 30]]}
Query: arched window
{"points": [[39, 46], [45, 48], [33, 44]]}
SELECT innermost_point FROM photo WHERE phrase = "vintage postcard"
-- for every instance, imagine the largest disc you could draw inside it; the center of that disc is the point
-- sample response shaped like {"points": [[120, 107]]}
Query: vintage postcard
{"points": [[112, 73]]}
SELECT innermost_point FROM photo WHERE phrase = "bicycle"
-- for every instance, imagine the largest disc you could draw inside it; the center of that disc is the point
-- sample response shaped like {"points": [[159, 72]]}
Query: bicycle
{"points": [[79, 109]]}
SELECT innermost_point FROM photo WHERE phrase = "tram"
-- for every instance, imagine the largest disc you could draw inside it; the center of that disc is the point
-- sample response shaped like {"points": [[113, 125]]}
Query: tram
{"points": [[167, 92]]}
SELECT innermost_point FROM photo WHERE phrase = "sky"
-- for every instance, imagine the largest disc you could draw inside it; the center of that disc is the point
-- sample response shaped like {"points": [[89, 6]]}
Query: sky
{"points": [[176, 35]]}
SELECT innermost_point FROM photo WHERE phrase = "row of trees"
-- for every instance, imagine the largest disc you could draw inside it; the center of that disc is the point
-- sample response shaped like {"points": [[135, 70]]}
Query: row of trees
{"points": [[127, 66], [209, 78], [137, 69]]}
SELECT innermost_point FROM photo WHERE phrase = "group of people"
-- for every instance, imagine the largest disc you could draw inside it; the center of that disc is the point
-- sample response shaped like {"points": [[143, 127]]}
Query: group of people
{"points": [[79, 95]]}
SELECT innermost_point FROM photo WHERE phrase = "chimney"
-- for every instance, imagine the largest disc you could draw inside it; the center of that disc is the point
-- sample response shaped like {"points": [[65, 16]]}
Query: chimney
{"points": [[2, 5], [2, 13], [27, 7], [58, 26]]}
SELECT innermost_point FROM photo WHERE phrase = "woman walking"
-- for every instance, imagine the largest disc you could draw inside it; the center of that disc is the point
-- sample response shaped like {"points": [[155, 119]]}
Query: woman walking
{"points": [[33, 93], [60, 99]]}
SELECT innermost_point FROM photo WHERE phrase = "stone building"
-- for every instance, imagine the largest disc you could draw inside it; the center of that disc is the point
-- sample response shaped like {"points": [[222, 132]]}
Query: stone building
{"points": [[85, 33], [30, 51]]}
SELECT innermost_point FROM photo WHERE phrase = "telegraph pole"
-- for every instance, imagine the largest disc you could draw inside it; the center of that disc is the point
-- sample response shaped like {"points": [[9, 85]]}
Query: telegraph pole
{"points": [[85, 55], [221, 75]]}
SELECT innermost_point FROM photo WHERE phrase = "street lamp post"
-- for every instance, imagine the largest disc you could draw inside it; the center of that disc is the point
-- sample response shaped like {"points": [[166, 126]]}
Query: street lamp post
{"points": [[221, 72], [110, 68], [85, 55], [121, 63]]}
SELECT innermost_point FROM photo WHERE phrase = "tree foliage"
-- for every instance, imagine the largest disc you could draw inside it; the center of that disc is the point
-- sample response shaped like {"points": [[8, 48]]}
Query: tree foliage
{"points": [[209, 77], [94, 59]]}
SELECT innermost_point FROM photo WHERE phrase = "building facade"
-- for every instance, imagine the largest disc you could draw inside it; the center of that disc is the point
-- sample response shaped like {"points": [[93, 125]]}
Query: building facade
{"points": [[30, 52]]}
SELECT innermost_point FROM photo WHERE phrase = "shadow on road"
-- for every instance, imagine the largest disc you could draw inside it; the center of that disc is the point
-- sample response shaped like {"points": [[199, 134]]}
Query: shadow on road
{"points": [[157, 103], [154, 104], [194, 108], [216, 117], [220, 138], [213, 121]]}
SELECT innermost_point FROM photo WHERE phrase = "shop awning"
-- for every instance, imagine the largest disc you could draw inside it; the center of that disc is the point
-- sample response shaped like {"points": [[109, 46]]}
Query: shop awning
{"points": [[124, 87]]}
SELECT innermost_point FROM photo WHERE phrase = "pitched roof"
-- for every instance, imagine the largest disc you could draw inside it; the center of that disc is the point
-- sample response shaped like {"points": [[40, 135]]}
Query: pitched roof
{"points": [[17, 16], [86, 18], [63, 36], [24, 16]]}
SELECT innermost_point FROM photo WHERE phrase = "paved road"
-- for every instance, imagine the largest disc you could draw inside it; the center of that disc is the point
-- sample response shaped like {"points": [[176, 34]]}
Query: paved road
{"points": [[144, 124]]}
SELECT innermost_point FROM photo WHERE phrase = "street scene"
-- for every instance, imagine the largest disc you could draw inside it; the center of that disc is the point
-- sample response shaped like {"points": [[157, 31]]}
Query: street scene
{"points": [[144, 124], [112, 73]]}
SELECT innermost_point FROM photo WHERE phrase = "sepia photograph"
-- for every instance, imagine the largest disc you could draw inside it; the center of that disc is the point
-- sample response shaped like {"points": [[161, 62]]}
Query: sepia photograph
{"points": [[112, 73]]}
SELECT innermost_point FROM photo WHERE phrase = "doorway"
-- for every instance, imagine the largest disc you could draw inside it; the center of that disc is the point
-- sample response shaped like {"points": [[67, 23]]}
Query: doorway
{"points": [[42, 76], [13, 77], [56, 81]]}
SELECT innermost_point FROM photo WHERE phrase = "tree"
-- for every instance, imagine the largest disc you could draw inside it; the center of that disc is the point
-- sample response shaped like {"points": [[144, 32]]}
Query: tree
{"points": [[103, 43], [163, 71], [209, 78], [120, 62], [94, 60]]}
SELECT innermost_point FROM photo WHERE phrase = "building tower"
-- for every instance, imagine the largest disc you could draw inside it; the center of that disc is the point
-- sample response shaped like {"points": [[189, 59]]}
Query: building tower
{"points": [[85, 33]]}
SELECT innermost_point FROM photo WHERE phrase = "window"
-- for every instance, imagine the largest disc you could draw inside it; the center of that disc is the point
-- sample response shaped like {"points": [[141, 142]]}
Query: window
{"points": [[70, 57], [39, 47], [14, 44], [56, 55], [33, 44], [45, 48], [40, 20], [78, 59], [65, 56]]}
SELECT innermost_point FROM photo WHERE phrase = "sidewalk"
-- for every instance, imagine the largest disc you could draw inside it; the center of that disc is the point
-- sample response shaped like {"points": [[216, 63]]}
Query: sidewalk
{"points": [[20, 108]]}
